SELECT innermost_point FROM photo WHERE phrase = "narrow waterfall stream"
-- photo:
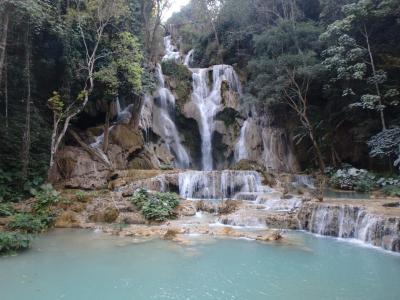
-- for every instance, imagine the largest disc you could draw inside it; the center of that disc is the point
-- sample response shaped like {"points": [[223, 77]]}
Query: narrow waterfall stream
{"points": [[240, 147], [171, 52], [188, 58], [167, 126]]}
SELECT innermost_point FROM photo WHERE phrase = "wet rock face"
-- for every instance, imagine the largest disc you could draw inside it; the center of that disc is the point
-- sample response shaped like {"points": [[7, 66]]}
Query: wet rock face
{"points": [[108, 215], [348, 221], [129, 140], [75, 168]]}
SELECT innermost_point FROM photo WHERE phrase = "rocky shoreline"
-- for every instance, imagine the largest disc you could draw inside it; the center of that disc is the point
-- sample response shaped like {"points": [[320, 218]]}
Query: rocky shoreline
{"points": [[373, 221]]}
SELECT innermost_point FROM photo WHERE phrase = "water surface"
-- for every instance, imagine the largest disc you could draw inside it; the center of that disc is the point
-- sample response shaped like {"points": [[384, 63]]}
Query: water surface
{"points": [[82, 265]]}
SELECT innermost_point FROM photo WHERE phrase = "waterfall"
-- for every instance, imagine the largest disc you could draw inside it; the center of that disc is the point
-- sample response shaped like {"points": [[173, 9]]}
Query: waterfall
{"points": [[277, 154], [188, 58], [347, 221], [240, 147], [163, 120], [171, 53], [301, 180], [146, 116], [214, 185], [208, 101]]}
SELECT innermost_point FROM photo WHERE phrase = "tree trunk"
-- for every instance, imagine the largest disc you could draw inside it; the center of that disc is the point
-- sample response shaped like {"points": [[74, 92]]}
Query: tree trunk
{"points": [[136, 113], [378, 91], [93, 153], [311, 134], [107, 129], [3, 42], [321, 163], [26, 140], [6, 94]]}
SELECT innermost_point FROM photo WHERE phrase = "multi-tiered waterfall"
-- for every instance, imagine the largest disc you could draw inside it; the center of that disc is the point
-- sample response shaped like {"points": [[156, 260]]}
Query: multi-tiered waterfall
{"points": [[253, 140]]}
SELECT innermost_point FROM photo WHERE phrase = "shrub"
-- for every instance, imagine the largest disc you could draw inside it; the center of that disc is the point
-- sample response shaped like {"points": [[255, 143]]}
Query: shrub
{"points": [[81, 196], [6, 210], [45, 196], [12, 242], [352, 179], [391, 190], [29, 223], [176, 70], [157, 206]]}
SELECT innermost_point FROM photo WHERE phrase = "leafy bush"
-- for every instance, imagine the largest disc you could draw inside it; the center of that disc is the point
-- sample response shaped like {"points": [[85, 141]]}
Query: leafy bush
{"points": [[45, 196], [29, 223], [392, 191], [10, 185], [176, 70], [12, 242], [352, 179], [82, 196], [157, 206], [386, 144], [6, 210], [8, 191]]}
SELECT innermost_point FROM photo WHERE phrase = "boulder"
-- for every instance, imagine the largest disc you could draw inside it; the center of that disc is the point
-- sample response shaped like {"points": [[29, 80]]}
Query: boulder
{"points": [[75, 168], [67, 219], [132, 218], [108, 215], [127, 138], [186, 208]]}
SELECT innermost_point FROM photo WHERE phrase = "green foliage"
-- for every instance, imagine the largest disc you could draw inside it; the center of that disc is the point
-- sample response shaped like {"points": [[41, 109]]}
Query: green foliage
{"points": [[182, 78], [352, 179], [157, 206], [45, 196], [41, 217], [56, 104], [392, 191], [123, 66], [8, 190], [176, 70], [29, 223], [6, 210], [166, 167], [386, 144], [13, 242]]}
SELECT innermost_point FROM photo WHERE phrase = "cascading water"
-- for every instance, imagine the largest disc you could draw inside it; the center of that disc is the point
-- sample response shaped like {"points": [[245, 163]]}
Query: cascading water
{"points": [[163, 120], [188, 58], [347, 221], [146, 116], [259, 141], [208, 101], [240, 147], [216, 185], [171, 53]]}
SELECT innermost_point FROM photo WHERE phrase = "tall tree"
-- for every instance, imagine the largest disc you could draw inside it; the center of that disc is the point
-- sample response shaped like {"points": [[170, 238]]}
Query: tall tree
{"points": [[90, 18]]}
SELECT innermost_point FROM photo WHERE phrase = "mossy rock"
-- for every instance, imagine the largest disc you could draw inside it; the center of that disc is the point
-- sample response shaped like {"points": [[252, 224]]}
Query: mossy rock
{"points": [[179, 78], [109, 215], [228, 116], [178, 71]]}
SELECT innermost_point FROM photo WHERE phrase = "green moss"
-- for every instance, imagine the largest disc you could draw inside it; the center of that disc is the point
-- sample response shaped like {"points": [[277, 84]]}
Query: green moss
{"points": [[177, 71], [228, 116], [180, 79]]}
